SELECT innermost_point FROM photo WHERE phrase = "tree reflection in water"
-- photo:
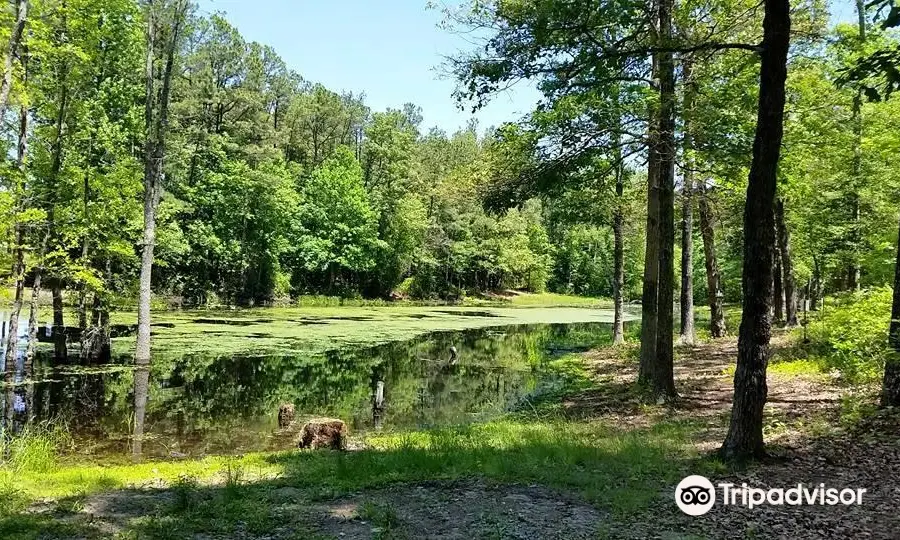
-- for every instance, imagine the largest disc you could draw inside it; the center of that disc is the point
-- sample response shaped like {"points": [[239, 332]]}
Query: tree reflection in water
{"points": [[213, 404]]}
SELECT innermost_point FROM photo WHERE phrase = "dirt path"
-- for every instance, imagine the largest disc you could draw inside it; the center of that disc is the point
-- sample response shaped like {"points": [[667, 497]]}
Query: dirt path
{"points": [[804, 433]]}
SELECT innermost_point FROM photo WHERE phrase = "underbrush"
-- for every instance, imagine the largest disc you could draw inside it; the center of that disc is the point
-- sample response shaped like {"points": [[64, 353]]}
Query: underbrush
{"points": [[850, 335]]}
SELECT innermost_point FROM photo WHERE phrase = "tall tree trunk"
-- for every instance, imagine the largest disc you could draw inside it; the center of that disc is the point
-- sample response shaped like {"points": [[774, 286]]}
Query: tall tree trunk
{"points": [[85, 249], [12, 338], [619, 243], [59, 334], [151, 172], [787, 266], [687, 211], [15, 39], [816, 290], [715, 296], [663, 379], [156, 113], [619, 260], [745, 432], [856, 166], [778, 288], [890, 395], [650, 289], [12, 341]]}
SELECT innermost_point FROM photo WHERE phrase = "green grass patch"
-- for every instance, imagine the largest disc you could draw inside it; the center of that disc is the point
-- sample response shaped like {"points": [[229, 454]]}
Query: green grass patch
{"points": [[548, 299], [797, 367], [621, 471]]}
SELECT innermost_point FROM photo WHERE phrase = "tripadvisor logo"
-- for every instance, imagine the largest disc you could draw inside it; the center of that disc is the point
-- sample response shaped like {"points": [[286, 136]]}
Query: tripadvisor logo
{"points": [[696, 495]]}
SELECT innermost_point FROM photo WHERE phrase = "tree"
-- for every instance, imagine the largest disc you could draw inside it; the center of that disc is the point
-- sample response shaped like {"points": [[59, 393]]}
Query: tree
{"points": [[890, 393], [661, 374], [165, 23], [715, 296], [853, 270], [18, 177], [878, 77], [745, 432], [787, 265], [687, 209], [12, 52], [337, 237], [19, 239]]}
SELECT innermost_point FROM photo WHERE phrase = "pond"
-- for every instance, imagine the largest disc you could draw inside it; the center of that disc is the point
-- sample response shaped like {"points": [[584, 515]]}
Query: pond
{"points": [[203, 404]]}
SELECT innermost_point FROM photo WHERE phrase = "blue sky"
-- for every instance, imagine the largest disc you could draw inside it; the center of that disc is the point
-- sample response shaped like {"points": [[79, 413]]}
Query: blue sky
{"points": [[390, 49]]}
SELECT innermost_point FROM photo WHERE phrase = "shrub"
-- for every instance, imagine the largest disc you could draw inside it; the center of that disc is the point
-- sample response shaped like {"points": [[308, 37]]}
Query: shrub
{"points": [[852, 334]]}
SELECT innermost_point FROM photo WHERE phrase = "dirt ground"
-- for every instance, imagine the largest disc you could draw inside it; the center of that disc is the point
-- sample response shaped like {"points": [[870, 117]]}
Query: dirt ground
{"points": [[866, 455]]}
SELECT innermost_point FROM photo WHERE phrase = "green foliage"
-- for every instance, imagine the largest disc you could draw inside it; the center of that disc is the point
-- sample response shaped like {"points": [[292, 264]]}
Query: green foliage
{"points": [[851, 334], [337, 231]]}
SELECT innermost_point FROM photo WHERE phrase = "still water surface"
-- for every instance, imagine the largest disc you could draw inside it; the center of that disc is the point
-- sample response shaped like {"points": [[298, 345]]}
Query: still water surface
{"points": [[201, 404]]}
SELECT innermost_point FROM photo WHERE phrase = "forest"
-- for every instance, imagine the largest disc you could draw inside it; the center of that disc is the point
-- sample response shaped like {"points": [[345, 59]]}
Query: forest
{"points": [[712, 169]]}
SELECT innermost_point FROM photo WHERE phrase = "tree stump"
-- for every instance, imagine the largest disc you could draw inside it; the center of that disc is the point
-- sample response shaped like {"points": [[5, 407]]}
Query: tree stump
{"points": [[285, 415], [323, 433]]}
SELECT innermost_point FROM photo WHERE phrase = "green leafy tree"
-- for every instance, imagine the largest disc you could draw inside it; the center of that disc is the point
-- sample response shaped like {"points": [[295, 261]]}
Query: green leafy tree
{"points": [[337, 237]]}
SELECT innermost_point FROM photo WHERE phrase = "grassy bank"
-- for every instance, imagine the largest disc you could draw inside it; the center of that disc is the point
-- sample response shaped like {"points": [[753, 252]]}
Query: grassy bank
{"points": [[620, 470]]}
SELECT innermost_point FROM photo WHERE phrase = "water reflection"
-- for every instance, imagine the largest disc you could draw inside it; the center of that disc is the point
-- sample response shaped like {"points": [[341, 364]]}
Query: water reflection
{"points": [[208, 404], [141, 393]]}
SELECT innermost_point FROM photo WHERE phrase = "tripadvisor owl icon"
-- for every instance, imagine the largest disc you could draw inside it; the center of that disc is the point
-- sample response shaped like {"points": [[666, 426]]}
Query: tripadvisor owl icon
{"points": [[695, 495]]}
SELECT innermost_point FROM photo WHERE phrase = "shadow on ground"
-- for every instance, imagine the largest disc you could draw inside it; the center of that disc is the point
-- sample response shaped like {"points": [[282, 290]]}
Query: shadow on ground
{"points": [[605, 468]]}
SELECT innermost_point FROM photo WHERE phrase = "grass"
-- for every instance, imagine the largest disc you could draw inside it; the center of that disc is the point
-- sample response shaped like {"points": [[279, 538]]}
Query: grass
{"points": [[545, 299], [622, 471], [34, 448]]}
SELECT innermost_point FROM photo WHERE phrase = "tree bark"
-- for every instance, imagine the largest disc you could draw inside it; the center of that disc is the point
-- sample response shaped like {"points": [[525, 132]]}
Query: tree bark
{"points": [[60, 348], [778, 287], [31, 348], [12, 341], [650, 291], [85, 250], [890, 394], [715, 297], [816, 289], [12, 338], [142, 347], [787, 266], [663, 383], [619, 261], [687, 212], [15, 39], [745, 432], [619, 244]]}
